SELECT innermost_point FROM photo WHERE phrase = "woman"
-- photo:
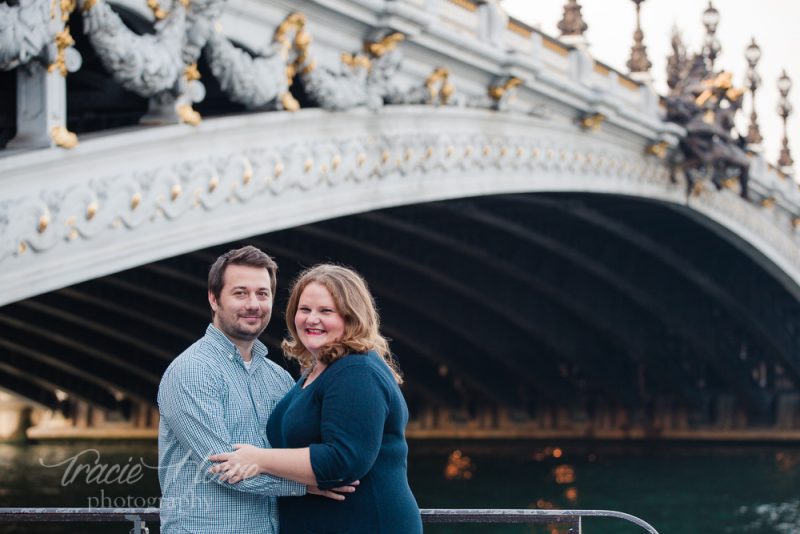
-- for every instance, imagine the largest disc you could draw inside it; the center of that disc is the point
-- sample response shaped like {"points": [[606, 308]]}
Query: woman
{"points": [[343, 421]]}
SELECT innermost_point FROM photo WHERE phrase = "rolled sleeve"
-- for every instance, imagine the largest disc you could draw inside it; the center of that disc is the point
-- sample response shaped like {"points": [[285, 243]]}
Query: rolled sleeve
{"points": [[353, 413]]}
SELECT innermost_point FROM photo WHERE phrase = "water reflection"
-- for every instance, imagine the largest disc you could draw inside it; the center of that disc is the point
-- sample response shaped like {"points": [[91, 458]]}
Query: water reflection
{"points": [[735, 489], [564, 474], [79, 474], [677, 488], [458, 466], [787, 461], [783, 518], [546, 453]]}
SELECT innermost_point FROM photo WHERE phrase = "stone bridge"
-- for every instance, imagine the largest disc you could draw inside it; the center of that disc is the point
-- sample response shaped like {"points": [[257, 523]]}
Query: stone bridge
{"points": [[540, 265]]}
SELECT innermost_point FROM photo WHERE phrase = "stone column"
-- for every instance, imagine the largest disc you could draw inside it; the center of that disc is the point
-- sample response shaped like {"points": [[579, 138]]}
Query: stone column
{"points": [[15, 418], [41, 109]]}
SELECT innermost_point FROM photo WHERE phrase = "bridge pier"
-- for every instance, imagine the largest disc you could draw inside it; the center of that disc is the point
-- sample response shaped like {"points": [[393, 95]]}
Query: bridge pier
{"points": [[84, 421], [144, 416], [724, 412], [15, 418], [788, 411]]}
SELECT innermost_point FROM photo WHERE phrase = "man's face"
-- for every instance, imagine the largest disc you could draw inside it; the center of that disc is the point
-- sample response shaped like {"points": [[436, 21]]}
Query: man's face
{"points": [[244, 306]]}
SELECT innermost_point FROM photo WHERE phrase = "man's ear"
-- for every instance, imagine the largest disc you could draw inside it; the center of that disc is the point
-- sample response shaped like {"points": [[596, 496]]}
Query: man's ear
{"points": [[212, 301]]}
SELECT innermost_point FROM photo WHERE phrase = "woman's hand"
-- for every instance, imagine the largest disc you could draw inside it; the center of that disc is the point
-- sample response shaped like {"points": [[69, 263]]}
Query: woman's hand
{"points": [[238, 465]]}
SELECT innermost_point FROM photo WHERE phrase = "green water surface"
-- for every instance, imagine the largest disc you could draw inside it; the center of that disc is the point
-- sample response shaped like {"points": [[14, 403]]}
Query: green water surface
{"points": [[677, 488]]}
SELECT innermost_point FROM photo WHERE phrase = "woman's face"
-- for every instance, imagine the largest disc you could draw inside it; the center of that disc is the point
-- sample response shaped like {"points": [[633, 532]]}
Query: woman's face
{"points": [[317, 320]]}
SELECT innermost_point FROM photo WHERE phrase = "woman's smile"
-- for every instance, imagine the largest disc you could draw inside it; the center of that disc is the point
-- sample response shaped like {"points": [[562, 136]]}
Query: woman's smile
{"points": [[318, 321]]}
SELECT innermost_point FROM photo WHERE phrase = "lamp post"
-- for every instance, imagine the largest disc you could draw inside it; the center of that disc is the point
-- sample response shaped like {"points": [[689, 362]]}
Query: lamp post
{"points": [[638, 63], [572, 23], [785, 161], [712, 46], [753, 53]]}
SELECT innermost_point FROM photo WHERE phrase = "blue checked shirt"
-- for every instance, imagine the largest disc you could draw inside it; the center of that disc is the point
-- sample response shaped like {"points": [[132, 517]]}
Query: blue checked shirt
{"points": [[208, 400]]}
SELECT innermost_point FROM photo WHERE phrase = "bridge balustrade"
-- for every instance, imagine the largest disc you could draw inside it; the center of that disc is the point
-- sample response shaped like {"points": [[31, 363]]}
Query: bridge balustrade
{"points": [[572, 520]]}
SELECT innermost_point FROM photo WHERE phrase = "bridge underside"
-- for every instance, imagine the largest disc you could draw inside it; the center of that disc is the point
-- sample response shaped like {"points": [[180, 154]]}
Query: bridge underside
{"points": [[518, 305]]}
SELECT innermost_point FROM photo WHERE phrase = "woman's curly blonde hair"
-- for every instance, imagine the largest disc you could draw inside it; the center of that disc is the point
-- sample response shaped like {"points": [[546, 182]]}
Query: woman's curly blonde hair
{"points": [[354, 303]]}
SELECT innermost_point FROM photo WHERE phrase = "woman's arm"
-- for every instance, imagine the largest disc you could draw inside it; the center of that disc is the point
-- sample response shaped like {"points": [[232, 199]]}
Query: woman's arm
{"points": [[248, 461], [352, 420], [354, 409]]}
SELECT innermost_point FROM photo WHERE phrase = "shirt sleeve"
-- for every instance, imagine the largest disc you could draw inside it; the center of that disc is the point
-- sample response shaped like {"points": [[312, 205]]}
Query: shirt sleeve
{"points": [[190, 401], [355, 404]]}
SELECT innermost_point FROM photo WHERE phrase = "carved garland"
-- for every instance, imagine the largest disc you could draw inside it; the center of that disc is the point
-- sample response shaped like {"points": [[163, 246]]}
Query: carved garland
{"points": [[360, 80], [82, 212], [29, 30], [143, 64], [163, 66], [263, 80]]}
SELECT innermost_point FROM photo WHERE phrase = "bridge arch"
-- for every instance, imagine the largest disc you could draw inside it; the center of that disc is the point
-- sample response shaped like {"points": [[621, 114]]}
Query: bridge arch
{"points": [[565, 251], [117, 202]]}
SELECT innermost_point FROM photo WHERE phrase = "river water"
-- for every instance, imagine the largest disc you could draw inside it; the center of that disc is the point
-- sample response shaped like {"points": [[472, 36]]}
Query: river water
{"points": [[678, 488]]}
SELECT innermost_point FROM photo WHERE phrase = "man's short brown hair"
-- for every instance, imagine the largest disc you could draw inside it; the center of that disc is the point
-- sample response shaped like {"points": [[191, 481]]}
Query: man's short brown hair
{"points": [[249, 256]]}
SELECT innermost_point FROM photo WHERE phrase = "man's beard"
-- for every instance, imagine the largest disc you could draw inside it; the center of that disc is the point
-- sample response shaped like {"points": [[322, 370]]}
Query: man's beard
{"points": [[233, 330]]}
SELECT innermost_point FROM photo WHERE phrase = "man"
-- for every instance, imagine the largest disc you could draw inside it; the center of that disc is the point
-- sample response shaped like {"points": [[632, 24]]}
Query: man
{"points": [[221, 391]]}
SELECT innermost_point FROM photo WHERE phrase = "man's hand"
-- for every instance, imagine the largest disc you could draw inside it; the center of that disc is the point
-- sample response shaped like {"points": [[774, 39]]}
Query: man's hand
{"points": [[335, 493]]}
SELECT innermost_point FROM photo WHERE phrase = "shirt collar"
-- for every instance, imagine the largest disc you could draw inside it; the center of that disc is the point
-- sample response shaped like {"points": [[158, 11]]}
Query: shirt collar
{"points": [[229, 349]]}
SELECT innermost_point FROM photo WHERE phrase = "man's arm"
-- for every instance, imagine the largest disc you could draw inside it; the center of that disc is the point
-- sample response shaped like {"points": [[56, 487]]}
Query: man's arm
{"points": [[190, 401]]}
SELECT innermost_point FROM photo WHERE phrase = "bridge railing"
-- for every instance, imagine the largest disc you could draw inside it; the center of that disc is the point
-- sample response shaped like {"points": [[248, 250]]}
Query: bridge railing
{"points": [[571, 519]]}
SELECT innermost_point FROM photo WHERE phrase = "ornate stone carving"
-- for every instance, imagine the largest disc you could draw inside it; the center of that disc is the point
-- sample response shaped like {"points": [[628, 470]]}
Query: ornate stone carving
{"points": [[264, 79], [705, 104], [359, 80], [590, 121], [34, 36], [437, 90], [144, 64], [638, 62], [677, 62], [175, 103], [30, 30], [57, 217], [502, 92], [572, 24], [63, 137], [201, 17], [754, 221]]}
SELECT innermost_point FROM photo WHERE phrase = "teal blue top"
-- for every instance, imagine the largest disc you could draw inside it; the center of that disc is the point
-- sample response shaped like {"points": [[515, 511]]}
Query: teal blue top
{"points": [[353, 418]]}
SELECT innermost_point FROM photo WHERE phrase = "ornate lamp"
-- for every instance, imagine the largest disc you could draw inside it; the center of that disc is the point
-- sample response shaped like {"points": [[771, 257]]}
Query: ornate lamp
{"points": [[710, 18], [638, 63], [753, 54], [572, 21], [712, 46], [785, 160]]}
